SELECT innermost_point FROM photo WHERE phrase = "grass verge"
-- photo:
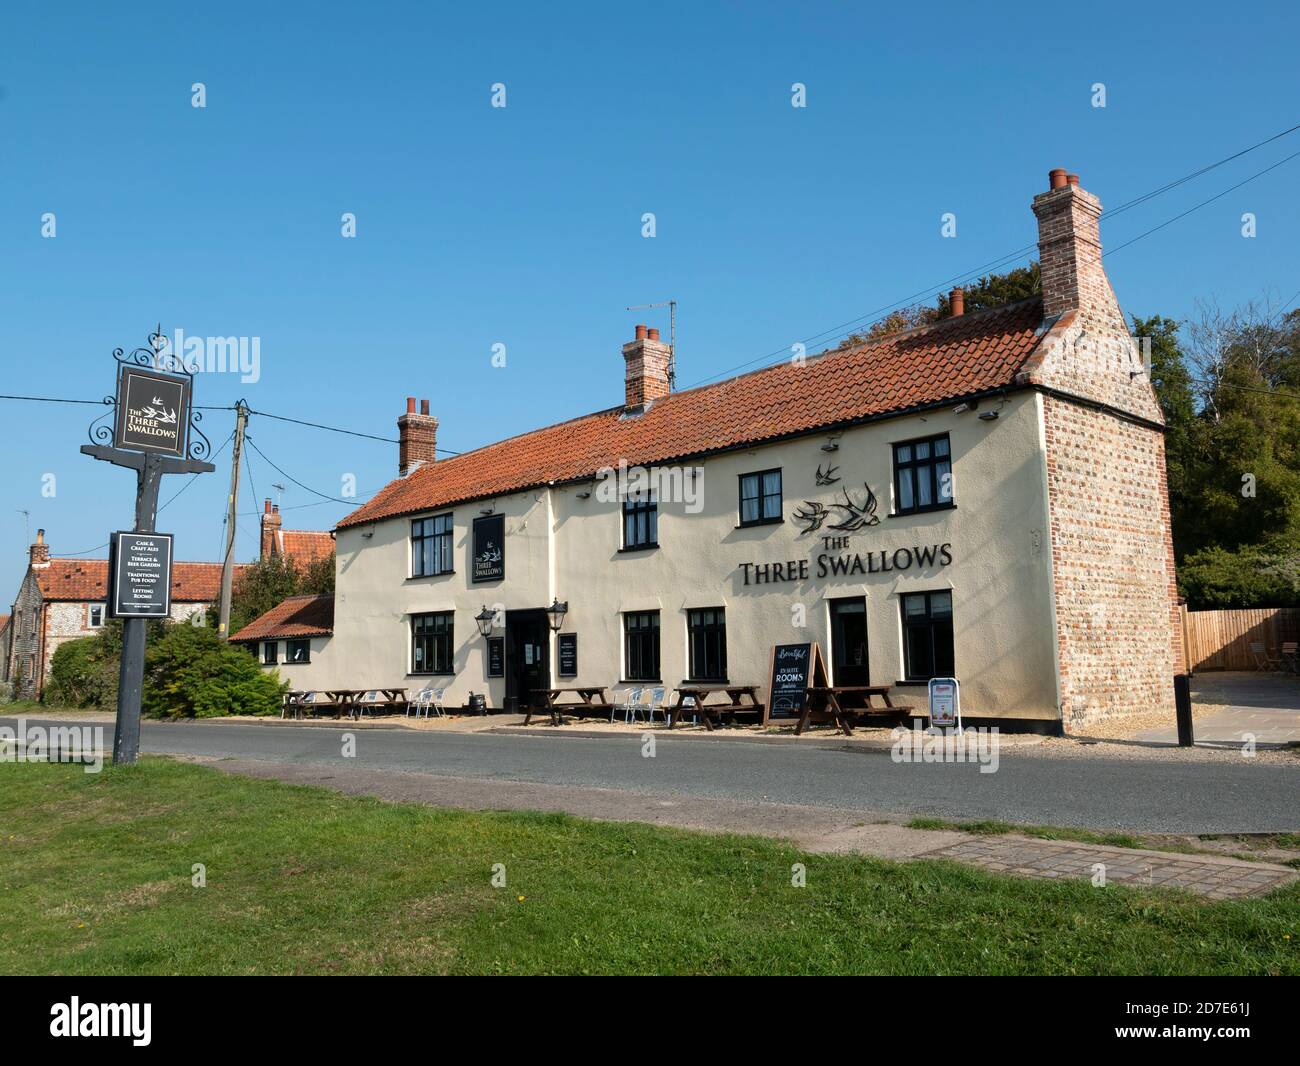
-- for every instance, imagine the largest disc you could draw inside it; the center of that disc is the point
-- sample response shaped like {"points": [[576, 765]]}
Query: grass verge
{"points": [[96, 877]]}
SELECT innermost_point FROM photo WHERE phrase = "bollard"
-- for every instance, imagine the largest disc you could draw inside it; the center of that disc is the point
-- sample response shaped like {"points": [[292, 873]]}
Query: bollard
{"points": [[1183, 708]]}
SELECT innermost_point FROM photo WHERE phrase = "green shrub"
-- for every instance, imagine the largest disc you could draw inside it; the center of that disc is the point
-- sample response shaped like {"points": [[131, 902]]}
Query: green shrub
{"points": [[191, 673], [83, 673]]}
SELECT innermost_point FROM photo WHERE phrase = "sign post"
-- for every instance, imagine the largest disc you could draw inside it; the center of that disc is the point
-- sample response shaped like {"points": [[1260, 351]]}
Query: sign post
{"points": [[152, 420]]}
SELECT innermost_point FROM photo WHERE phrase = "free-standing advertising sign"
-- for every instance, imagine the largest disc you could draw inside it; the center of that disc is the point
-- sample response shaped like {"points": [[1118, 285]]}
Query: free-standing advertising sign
{"points": [[489, 548], [140, 575], [945, 703], [153, 411], [788, 687]]}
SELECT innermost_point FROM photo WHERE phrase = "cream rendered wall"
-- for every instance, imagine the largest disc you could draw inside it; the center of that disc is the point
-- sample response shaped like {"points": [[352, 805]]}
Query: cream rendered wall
{"points": [[999, 575], [301, 676]]}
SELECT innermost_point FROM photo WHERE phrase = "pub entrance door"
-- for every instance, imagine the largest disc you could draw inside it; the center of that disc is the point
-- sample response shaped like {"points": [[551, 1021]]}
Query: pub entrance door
{"points": [[527, 659], [849, 642]]}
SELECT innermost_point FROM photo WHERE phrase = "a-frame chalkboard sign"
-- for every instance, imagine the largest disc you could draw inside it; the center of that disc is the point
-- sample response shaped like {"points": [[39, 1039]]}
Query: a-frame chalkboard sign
{"points": [[794, 668]]}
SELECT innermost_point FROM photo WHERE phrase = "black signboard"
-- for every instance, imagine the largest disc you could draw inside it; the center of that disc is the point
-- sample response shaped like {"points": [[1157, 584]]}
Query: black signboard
{"points": [[140, 575], [792, 666], [153, 411], [489, 547], [567, 648], [496, 656]]}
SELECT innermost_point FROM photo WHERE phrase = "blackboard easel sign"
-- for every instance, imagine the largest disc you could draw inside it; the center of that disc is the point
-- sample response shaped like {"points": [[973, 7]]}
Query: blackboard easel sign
{"points": [[794, 668]]}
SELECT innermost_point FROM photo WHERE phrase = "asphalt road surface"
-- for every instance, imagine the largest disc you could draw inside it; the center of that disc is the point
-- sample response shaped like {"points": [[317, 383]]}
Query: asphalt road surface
{"points": [[1163, 796]]}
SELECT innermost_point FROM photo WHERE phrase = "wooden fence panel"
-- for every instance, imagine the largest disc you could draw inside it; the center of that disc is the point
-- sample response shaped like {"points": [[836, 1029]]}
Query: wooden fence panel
{"points": [[1220, 640]]}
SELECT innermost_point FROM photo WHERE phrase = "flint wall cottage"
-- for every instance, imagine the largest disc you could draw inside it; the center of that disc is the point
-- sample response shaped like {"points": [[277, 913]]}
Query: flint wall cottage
{"points": [[983, 497]]}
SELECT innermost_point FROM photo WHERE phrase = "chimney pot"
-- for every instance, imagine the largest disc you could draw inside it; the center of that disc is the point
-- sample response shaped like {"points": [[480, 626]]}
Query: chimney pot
{"points": [[40, 536], [1056, 179], [957, 302], [1073, 179], [410, 405], [640, 333], [424, 407], [266, 508], [652, 333]]}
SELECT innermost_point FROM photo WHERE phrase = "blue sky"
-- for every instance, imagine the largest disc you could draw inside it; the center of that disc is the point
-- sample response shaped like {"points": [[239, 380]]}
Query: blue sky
{"points": [[522, 225]]}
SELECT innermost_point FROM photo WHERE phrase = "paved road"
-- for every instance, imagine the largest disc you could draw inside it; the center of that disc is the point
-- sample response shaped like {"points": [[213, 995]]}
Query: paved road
{"points": [[1171, 796], [1265, 706]]}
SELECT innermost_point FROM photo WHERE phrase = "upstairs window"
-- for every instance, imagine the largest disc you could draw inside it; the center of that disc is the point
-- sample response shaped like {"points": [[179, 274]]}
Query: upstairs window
{"points": [[297, 651], [760, 498], [922, 475], [640, 521], [270, 651], [431, 546]]}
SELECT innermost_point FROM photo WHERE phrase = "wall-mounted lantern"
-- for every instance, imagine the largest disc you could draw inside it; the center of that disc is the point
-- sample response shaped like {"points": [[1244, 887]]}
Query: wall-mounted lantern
{"points": [[556, 612], [485, 619]]}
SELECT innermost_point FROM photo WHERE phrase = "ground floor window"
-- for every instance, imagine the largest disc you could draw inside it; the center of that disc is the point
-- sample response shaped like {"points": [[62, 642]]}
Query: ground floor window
{"points": [[927, 635], [95, 616], [641, 639], [297, 651], [707, 633], [270, 649], [431, 636]]}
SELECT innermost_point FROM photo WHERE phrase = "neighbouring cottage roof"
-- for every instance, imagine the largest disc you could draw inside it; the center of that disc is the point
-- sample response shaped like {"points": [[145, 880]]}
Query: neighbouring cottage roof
{"points": [[87, 580], [303, 547], [4, 621], [296, 617], [957, 357]]}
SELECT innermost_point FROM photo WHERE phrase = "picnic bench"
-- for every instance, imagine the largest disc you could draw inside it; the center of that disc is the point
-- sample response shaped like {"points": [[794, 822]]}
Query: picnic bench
{"points": [[591, 701], [845, 704], [698, 696]]}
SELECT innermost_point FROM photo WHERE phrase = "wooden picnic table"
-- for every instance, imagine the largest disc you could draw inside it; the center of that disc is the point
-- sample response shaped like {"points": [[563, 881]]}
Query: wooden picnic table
{"points": [[699, 694], [590, 698], [843, 703]]}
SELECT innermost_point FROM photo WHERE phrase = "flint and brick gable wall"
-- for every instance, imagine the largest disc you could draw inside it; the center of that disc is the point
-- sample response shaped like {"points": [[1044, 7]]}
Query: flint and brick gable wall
{"points": [[1112, 565]]}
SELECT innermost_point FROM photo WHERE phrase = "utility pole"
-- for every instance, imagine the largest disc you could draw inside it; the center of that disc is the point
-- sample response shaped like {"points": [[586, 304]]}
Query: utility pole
{"points": [[228, 564]]}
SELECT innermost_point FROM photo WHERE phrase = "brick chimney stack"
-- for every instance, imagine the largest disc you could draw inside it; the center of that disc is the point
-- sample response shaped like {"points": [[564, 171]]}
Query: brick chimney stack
{"points": [[40, 551], [647, 359], [1069, 252], [270, 529], [418, 435]]}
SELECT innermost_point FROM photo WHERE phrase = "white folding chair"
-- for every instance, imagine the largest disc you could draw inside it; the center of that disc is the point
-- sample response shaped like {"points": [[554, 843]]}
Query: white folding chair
{"points": [[368, 699], [437, 703], [657, 704], [420, 701]]}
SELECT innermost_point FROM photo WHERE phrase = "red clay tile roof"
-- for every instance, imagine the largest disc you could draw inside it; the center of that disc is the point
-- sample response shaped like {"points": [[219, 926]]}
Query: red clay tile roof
{"points": [[298, 616], [4, 621], [956, 357], [304, 546], [87, 579]]}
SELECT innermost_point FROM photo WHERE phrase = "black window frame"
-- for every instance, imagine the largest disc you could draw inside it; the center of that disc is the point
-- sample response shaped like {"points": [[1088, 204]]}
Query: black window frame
{"points": [[641, 631], [635, 506], [929, 624], [440, 544], [927, 467], [706, 639], [440, 640], [271, 653], [289, 646], [760, 497]]}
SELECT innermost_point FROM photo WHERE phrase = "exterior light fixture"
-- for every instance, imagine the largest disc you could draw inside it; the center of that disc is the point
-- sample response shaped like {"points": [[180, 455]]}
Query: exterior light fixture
{"points": [[555, 614], [988, 416], [485, 620]]}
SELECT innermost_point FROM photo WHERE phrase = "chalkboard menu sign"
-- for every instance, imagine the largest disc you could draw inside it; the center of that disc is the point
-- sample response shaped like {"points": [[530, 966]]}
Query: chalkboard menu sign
{"points": [[496, 647], [140, 575], [567, 645], [489, 548], [794, 668]]}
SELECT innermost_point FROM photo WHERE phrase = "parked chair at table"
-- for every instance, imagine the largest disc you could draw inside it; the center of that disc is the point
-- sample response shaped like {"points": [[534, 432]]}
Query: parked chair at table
{"points": [[657, 696], [1262, 659], [680, 709], [370, 699], [1289, 656], [419, 702], [631, 700], [429, 701]]}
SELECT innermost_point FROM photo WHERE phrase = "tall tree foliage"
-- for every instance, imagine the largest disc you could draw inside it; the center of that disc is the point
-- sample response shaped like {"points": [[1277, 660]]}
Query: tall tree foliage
{"points": [[270, 580]]}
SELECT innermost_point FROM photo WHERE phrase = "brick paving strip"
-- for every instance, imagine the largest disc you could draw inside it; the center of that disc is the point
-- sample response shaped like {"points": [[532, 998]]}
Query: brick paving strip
{"points": [[1206, 875]]}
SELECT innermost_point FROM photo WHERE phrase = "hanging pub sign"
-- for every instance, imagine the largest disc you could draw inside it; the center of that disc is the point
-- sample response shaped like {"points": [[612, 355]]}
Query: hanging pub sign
{"points": [[153, 411], [489, 549], [140, 575], [496, 647], [794, 668], [567, 651]]}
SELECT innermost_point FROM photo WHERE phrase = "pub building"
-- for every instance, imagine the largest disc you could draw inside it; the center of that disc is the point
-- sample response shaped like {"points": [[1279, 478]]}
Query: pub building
{"points": [[982, 498]]}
